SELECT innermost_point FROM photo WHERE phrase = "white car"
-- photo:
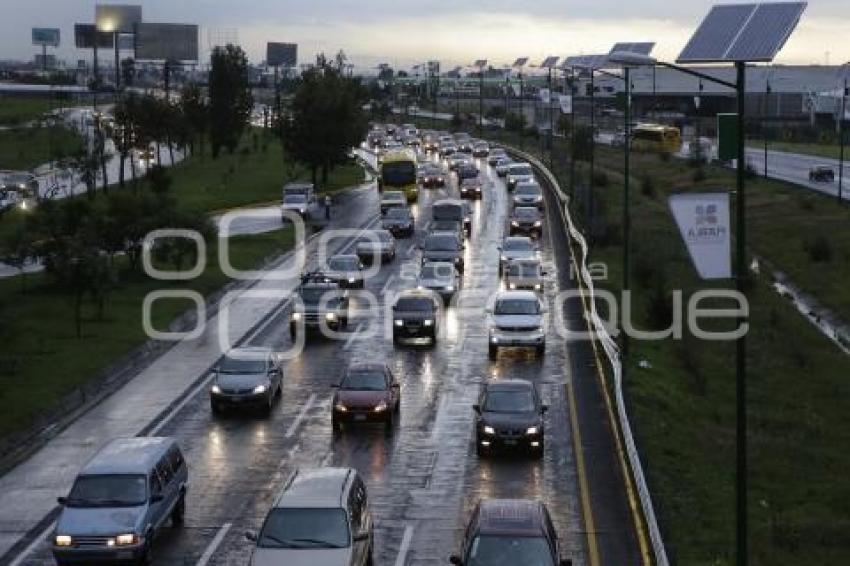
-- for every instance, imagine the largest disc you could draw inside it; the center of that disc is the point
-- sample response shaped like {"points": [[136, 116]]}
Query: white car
{"points": [[299, 204], [519, 173], [392, 199], [524, 275], [321, 518], [528, 194], [516, 321], [502, 166], [495, 155], [516, 248]]}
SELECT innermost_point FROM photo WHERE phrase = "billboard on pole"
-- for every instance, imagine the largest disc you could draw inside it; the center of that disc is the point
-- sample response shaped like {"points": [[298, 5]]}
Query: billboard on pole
{"points": [[117, 18], [703, 220], [85, 36], [163, 42], [45, 36], [566, 102], [281, 54]]}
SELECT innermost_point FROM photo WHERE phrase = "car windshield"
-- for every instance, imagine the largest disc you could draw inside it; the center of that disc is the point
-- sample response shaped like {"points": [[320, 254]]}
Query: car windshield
{"points": [[437, 271], [445, 226], [236, 364], [526, 213], [399, 173], [502, 550], [398, 213], [305, 528], [315, 296], [518, 245], [294, 199], [527, 190], [393, 196], [521, 170], [108, 490], [524, 269], [344, 263], [517, 306], [364, 380], [441, 242], [447, 212], [419, 304]]}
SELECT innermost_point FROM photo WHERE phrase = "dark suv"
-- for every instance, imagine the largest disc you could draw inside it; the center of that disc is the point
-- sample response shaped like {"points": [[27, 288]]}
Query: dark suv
{"points": [[416, 314], [509, 416], [322, 302], [510, 531]]}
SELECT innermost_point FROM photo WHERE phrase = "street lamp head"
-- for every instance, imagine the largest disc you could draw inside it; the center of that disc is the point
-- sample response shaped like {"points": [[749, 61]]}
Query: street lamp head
{"points": [[631, 59]]}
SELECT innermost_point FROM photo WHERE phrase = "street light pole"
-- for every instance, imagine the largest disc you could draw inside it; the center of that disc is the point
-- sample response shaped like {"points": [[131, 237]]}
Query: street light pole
{"points": [[764, 123], [480, 99], [841, 120], [592, 151], [626, 213], [551, 124]]}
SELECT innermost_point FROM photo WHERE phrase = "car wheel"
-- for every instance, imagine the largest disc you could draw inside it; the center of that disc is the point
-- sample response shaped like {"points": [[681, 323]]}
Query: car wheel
{"points": [[396, 340], [480, 450], [389, 423], [493, 352], [540, 350], [215, 408], [293, 332], [178, 514], [336, 425], [537, 453], [147, 553]]}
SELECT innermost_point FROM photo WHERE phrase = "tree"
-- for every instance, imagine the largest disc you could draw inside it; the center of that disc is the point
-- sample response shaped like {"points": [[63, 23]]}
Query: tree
{"points": [[230, 97], [195, 115], [124, 132], [327, 117], [17, 249]]}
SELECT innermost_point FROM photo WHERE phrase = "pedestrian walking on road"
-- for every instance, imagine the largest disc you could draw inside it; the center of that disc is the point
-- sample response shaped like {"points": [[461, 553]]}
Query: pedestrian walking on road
{"points": [[328, 203]]}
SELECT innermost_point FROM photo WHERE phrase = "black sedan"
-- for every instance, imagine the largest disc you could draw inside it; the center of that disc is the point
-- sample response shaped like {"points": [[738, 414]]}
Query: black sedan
{"points": [[510, 416]]}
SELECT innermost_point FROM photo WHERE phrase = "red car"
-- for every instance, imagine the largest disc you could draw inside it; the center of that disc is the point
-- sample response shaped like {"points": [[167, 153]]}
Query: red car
{"points": [[367, 393]]}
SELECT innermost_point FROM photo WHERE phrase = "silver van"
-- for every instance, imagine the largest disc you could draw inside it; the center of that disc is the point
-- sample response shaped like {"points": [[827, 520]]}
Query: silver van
{"points": [[120, 498], [321, 518]]}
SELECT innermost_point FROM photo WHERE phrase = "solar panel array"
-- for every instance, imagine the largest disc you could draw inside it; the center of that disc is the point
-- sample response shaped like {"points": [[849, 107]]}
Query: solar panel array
{"points": [[588, 61], [550, 61], [642, 48], [742, 32]]}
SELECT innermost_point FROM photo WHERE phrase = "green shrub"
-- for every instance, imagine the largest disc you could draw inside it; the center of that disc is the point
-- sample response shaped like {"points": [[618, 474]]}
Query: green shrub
{"points": [[819, 250], [647, 186]]}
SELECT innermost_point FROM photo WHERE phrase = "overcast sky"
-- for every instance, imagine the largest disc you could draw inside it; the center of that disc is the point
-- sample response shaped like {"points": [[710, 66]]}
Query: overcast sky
{"points": [[403, 32]]}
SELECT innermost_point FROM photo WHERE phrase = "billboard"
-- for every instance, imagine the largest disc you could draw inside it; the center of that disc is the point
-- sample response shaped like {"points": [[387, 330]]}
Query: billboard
{"points": [[703, 220], [48, 63], [85, 34], [118, 18], [161, 42], [281, 54], [45, 36]]}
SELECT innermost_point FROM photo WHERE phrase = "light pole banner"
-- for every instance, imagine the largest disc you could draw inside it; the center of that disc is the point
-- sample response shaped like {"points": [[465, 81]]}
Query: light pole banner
{"points": [[545, 96], [703, 220], [516, 89], [566, 102]]}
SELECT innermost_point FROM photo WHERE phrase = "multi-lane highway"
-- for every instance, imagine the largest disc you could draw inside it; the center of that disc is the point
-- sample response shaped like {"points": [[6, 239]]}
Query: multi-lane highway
{"points": [[423, 480]]}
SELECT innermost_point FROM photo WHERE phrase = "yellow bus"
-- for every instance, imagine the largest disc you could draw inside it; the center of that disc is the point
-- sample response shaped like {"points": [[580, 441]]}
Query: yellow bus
{"points": [[397, 171], [656, 138]]}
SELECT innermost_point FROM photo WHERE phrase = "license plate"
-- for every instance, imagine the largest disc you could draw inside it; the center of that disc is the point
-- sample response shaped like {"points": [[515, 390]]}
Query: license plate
{"points": [[510, 443], [359, 417]]}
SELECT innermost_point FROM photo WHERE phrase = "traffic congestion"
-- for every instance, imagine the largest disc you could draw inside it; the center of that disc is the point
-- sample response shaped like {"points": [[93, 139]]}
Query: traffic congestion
{"points": [[385, 445]]}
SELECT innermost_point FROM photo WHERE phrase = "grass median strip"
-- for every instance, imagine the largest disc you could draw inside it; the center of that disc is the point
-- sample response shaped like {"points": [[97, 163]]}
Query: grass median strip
{"points": [[27, 148]]}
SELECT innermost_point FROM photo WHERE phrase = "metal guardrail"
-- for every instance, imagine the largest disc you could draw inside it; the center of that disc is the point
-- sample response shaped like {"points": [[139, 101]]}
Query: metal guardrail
{"points": [[612, 352]]}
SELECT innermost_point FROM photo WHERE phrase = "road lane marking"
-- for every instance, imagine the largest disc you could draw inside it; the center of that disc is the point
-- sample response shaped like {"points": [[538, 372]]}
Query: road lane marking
{"points": [[293, 428], [214, 543], [19, 559], [401, 559], [352, 337], [177, 408]]}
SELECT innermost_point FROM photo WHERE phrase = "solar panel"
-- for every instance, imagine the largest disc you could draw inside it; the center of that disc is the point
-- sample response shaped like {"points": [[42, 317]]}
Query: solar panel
{"points": [[521, 62], [550, 61], [742, 32], [642, 48], [588, 61]]}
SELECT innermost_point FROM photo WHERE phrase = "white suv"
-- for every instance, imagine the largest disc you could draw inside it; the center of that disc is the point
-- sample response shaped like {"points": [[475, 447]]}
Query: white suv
{"points": [[321, 518], [517, 320]]}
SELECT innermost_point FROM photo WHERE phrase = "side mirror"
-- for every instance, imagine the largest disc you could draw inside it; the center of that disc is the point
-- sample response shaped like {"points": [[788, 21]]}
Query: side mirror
{"points": [[251, 536], [455, 559], [156, 498], [477, 408], [61, 500]]}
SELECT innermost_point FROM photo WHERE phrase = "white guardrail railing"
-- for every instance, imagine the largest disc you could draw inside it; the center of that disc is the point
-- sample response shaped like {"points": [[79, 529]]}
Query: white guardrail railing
{"points": [[613, 354]]}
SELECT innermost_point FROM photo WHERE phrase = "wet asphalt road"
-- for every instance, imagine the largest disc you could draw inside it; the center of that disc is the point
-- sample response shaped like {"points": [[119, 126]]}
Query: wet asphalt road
{"points": [[425, 477]]}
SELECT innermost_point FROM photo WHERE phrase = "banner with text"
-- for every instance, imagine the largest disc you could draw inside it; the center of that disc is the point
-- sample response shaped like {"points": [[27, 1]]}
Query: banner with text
{"points": [[703, 220]]}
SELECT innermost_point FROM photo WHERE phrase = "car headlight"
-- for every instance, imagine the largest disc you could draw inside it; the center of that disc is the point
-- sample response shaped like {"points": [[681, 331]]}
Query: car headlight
{"points": [[428, 322], [341, 408], [62, 540], [260, 389], [380, 407], [301, 210], [399, 322], [296, 316], [489, 430], [532, 430], [504, 257], [512, 285], [514, 223], [331, 316], [450, 288], [537, 286], [351, 279], [215, 389], [126, 539], [538, 223], [457, 260]]}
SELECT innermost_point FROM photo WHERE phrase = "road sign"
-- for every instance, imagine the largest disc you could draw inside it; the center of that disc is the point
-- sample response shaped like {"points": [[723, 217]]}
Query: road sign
{"points": [[281, 54], [166, 42], [703, 220], [727, 137], [742, 32], [48, 37], [117, 18]]}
